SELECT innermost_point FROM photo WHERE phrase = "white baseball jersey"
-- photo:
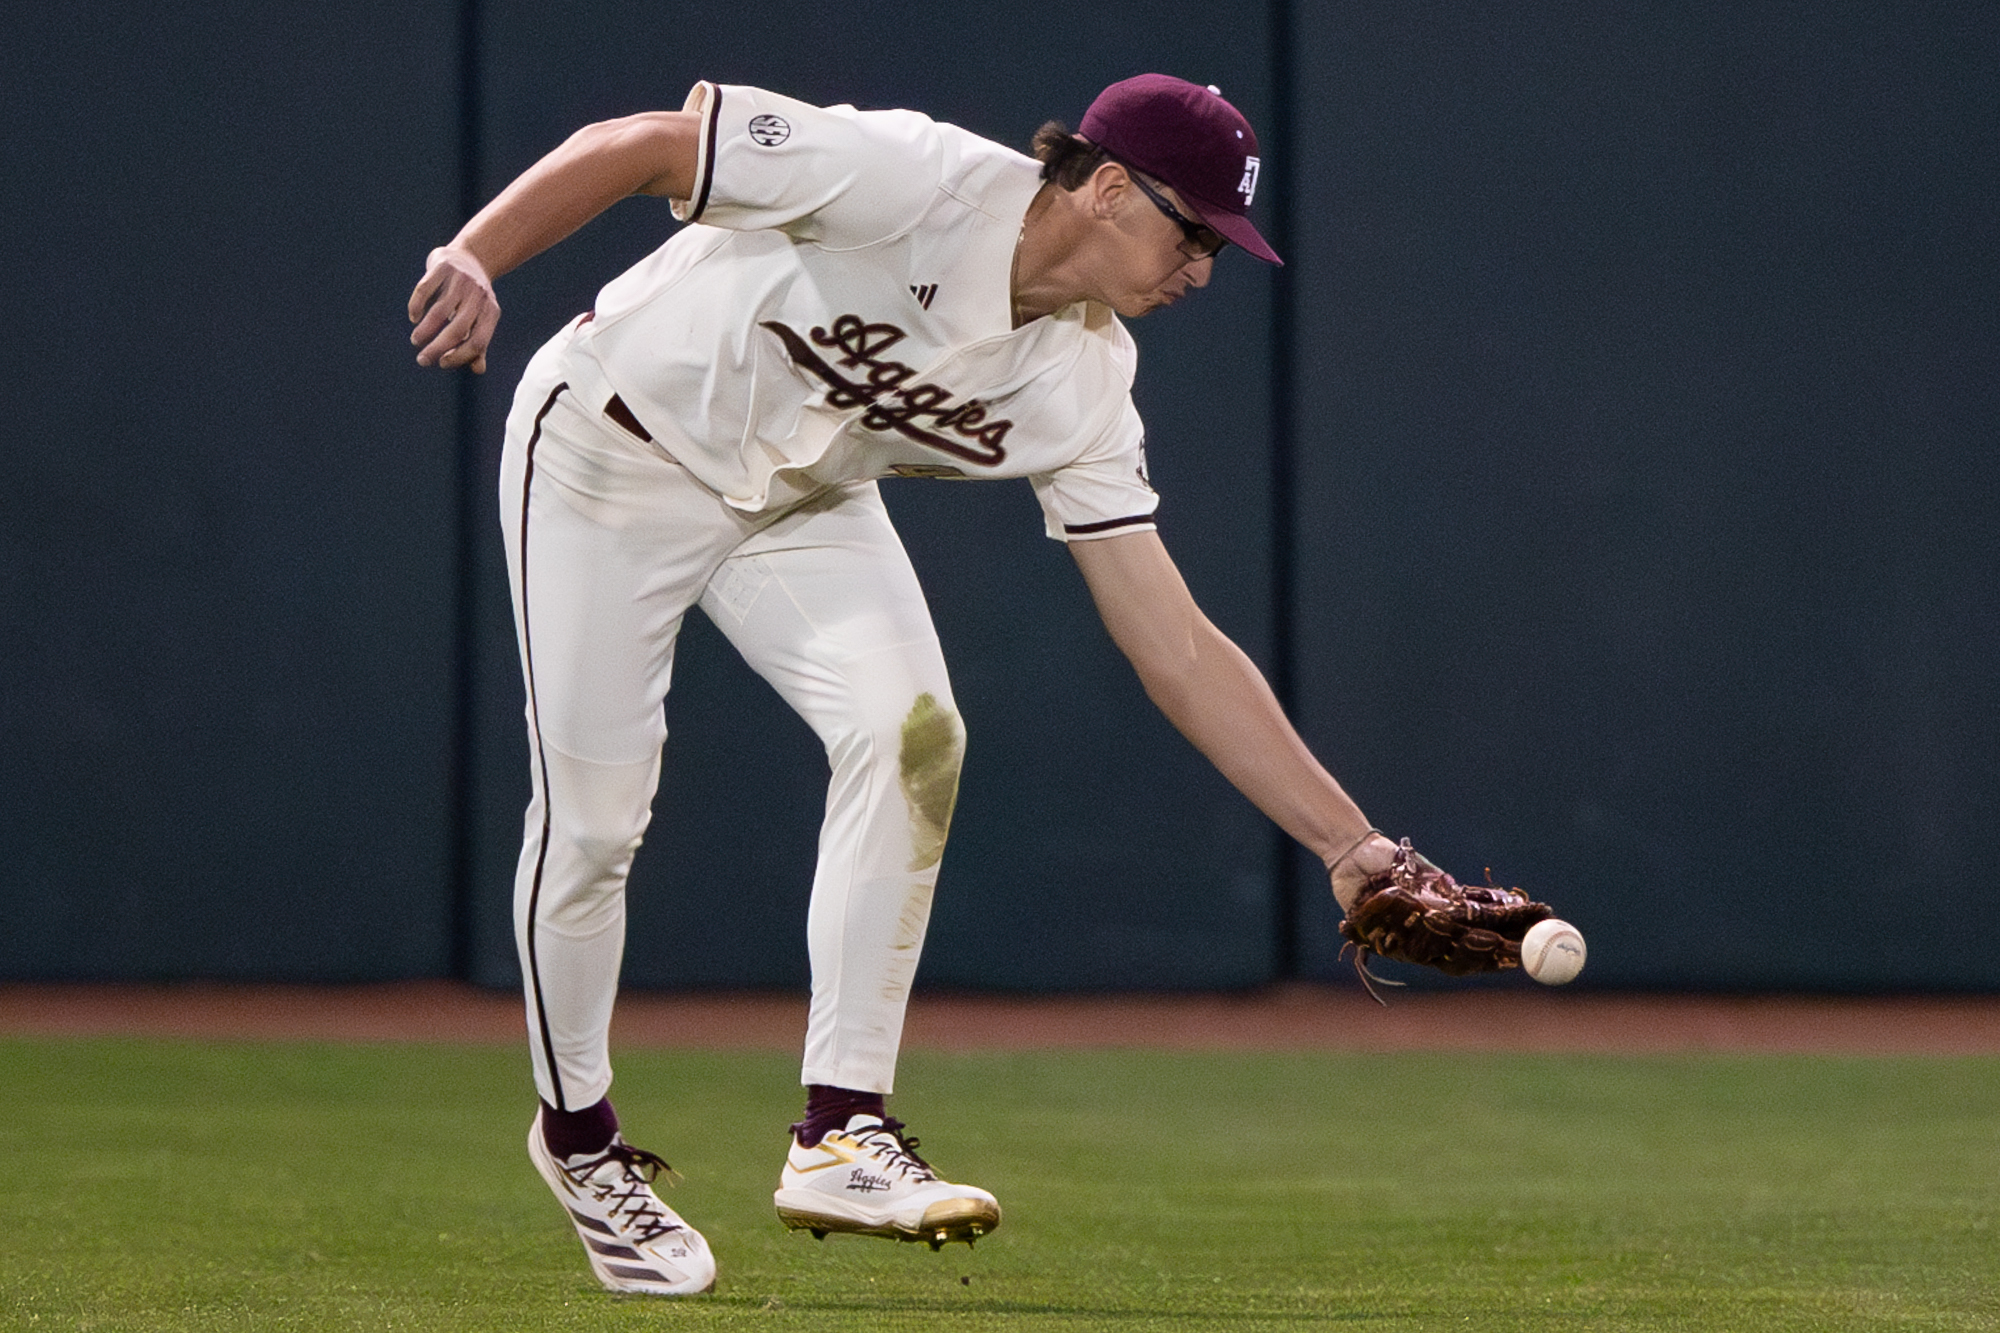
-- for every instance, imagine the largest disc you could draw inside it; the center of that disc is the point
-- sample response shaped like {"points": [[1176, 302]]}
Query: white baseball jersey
{"points": [[840, 309]]}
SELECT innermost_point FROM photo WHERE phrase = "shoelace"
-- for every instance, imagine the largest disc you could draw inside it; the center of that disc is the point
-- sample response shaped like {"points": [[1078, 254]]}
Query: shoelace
{"points": [[896, 1149], [631, 1193]]}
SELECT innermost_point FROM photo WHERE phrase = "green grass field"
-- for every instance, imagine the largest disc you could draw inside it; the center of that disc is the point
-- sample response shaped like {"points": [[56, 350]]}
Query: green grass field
{"points": [[241, 1186]]}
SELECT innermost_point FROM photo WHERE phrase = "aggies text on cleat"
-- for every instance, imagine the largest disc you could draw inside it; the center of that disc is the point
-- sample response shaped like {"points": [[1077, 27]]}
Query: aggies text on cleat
{"points": [[867, 1180], [634, 1242]]}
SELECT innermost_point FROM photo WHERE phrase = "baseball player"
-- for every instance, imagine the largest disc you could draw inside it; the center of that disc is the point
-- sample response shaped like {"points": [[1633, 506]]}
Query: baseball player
{"points": [[857, 294]]}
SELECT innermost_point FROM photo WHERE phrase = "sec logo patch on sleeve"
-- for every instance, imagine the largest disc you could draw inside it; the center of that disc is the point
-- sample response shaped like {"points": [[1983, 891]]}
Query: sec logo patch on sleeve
{"points": [[770, 131]]}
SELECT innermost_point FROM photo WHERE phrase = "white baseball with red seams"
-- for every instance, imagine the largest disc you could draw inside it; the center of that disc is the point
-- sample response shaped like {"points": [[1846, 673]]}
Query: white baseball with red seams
{"points": [[858, 294], [1553, 952]]}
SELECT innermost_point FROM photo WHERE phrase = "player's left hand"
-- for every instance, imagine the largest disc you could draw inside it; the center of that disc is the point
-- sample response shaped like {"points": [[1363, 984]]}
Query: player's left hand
{"points": [[455, 311], [1354, 869], [1413, 912]]}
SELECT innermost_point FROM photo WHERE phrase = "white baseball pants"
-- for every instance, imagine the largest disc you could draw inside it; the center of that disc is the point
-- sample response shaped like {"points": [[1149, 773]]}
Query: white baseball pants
{"points": [[609, 542]]}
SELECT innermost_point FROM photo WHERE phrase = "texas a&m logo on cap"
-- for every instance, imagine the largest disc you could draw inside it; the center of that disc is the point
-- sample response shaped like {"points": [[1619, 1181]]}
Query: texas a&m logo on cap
{"points": [[1247, 187], [1189, 137]]}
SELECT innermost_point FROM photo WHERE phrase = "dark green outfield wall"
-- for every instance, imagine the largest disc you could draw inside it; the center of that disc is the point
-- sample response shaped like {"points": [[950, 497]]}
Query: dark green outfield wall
{"points": [[1609, 479], [1650, 380], [225, 539]]}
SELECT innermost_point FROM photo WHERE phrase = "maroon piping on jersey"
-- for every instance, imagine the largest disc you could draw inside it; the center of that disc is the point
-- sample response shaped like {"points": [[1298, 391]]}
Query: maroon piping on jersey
{"points": [[1106, 525], [541, 759], [708, 158]]}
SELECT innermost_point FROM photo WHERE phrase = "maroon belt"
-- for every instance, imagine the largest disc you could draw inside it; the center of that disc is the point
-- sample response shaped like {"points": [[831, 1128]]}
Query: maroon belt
{"points": [[618, 412]]}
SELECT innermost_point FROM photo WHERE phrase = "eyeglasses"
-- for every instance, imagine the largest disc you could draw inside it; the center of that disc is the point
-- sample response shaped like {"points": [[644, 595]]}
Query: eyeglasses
{"points": [[1197, 241]]}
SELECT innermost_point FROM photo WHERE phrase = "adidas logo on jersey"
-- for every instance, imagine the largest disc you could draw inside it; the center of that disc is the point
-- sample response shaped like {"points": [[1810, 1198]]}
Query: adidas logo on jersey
{"points": [[924, 293]]}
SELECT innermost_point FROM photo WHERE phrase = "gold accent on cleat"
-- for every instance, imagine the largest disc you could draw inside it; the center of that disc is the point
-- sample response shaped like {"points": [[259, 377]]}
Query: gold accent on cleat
{"points": [[942, 1223], [957, 1216]]}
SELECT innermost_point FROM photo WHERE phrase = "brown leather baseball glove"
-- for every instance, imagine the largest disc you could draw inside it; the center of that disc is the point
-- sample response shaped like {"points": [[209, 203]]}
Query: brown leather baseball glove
{"points": [[1415, 913]]}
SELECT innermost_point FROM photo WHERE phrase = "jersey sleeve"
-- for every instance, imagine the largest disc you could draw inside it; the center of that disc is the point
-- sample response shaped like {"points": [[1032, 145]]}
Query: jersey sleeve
{"points": [[1105, 492], [835, 176]]}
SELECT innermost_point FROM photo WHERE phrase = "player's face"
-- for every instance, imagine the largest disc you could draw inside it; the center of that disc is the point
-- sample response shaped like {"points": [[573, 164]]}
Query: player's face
{"points": [[1155, 256]]}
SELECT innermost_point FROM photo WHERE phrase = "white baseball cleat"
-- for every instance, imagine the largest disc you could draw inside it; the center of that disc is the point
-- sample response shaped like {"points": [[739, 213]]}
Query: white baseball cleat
{"points": [[867, 1180], [635, 1242]]}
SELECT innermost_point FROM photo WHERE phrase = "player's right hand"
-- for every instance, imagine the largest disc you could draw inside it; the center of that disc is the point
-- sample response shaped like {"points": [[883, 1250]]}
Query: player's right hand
{"points": [[455, 311]]}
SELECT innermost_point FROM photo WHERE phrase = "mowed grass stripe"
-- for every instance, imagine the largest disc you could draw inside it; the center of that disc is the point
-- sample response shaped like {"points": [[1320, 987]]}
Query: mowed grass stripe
{"points": [[166, 1185]]}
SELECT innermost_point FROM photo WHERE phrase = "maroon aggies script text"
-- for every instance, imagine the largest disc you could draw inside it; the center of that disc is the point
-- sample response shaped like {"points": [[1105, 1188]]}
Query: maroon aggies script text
{"points": [[890, 405]]}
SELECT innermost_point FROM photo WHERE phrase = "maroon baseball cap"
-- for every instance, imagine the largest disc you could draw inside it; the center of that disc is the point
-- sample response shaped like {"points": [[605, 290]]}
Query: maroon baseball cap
{"points": [[1188, 137]]}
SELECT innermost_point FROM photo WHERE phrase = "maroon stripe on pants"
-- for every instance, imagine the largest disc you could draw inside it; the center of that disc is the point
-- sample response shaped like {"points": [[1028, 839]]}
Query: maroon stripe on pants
{"points": [[541, 759]]}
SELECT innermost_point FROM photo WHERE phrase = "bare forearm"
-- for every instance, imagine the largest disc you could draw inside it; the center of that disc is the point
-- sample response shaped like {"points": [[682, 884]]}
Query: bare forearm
{"points": [[592, 170], [454, 307]]}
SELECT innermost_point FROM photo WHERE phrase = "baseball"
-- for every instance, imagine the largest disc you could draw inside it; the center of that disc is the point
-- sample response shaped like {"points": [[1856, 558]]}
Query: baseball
{"points": [[1552, 952]]}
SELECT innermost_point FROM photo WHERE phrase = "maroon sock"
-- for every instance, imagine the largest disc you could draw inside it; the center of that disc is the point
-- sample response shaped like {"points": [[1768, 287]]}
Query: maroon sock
{"points": [[829, 1108], [572, 1133]]}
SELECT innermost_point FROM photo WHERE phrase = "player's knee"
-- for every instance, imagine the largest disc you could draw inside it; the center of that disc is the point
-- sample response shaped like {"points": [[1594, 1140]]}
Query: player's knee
{"points": [[586, 900], [589, 856], [602, 852], [926, 734], [930, 751], [595, 816], [931, 740]]}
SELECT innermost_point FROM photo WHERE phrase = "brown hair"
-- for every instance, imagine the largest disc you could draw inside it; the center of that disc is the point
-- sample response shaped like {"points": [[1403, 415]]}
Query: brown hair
{"points": [[1067, 159]]}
